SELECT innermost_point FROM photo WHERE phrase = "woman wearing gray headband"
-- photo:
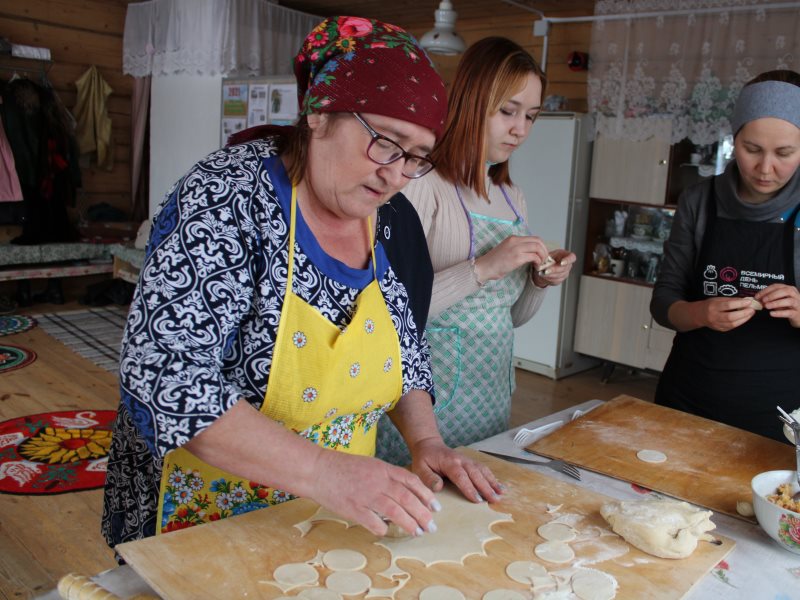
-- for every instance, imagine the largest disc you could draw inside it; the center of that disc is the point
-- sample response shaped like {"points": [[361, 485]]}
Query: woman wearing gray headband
{"points": [[728, 281]]}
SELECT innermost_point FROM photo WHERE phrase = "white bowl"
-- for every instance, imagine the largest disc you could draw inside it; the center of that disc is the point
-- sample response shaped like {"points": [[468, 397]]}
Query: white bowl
{"points": [[781, 525]]}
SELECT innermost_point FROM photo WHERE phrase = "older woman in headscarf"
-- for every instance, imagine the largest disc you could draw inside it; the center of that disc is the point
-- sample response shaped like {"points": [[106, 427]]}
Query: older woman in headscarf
{"points": [[728, 282], [281, 311]]}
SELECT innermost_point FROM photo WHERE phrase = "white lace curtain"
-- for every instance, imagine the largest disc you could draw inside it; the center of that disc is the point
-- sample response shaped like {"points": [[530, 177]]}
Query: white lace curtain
{"points": [[212, 37], [686, 69]]}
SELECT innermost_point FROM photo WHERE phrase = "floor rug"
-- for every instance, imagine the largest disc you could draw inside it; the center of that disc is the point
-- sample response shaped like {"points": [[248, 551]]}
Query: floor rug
{"points": [[55, 452], [10, 324], [94, 333], [15, 357]]}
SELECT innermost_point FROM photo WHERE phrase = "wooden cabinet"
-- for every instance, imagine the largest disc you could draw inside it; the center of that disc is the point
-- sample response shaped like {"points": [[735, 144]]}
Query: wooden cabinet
{"points": [[614, 324], [631, 171]]}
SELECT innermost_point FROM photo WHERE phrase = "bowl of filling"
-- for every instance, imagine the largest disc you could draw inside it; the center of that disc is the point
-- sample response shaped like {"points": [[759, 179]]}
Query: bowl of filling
{"points": [[776, 511]]}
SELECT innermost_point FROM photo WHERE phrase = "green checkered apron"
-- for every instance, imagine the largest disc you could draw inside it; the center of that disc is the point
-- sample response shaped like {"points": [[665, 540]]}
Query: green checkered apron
{"points": [[471, 351]]}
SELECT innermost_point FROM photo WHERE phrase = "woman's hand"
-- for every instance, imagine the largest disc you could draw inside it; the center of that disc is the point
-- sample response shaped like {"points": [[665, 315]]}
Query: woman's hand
{"points": [[556, 271], [433, 460], [510, 254], [367, 490], [782, 301]]}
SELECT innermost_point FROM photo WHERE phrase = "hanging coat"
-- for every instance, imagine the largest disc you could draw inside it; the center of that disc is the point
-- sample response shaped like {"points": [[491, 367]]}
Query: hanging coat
{"points": [[94, 124]]}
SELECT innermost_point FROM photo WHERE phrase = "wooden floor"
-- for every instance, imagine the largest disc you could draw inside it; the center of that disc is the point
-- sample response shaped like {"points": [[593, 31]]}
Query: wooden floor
{"points": [[44, 537]]}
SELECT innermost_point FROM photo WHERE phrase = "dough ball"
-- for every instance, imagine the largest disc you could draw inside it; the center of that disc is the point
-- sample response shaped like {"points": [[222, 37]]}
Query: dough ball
{"points": [[663, 528], [524, 571], [745, 508], [441, 592], [343, 559], [557, 532], [348, 583], [555, 552], [651, 456]]}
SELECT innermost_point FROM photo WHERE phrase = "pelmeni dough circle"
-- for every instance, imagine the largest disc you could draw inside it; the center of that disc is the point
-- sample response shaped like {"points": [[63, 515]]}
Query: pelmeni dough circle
{"points": [[319, 594], [348, 583], [441, 592], [342, 559], [589, 584], [651, 456], [557, 532], [555, 552], [294, 574], [525, 570], [504, 595]]}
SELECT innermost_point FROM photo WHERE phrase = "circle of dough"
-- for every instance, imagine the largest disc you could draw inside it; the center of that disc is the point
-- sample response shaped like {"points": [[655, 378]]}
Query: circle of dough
{"points": [[503, 595], [319, 594], [343, 559], [593, 585], [554, 552], [557, 532], [651, 456], [441, 592], [348, 583], [295, 574], [524, 571]]}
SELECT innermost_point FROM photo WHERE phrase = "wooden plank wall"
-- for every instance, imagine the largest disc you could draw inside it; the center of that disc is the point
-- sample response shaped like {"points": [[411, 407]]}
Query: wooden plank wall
{"points": [[81, 33], [563, 39]]}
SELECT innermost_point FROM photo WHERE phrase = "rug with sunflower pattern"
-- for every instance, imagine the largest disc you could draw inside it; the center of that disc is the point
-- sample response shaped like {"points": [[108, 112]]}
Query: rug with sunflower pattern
{"points": [[55, 452], [11, 324]]}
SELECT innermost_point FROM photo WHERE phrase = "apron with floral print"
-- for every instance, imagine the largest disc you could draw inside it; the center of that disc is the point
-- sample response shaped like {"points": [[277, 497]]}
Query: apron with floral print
{"points": [[471, 344], [328, 385]]}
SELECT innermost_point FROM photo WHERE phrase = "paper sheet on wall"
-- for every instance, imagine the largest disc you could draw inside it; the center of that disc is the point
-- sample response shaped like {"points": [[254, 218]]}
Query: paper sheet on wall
{"points": [[257, 108], [282, 103]]}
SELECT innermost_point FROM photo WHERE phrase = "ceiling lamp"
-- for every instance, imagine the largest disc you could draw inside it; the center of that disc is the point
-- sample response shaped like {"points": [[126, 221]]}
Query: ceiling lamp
{"points": [[442, 39]]}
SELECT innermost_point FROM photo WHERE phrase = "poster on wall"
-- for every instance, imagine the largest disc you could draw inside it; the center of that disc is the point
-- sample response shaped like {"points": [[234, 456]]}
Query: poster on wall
{"points": [[231, 125], [257, 108], [283, 103], [234, 109]]}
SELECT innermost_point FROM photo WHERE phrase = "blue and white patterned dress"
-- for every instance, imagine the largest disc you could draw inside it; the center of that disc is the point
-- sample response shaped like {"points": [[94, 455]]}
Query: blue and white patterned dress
{"points": [[202, 323]]}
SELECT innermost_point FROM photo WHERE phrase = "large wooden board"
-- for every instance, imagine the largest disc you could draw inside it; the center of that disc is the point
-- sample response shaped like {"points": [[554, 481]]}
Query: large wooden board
{"points": [[708, 463], [228, 558]]}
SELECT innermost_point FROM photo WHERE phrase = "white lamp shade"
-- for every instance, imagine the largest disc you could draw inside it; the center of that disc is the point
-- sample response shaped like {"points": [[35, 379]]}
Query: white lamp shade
{"points": [[442, 39]]}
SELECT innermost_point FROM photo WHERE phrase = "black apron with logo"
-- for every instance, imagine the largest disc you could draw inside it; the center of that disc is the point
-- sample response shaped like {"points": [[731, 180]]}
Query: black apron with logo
{"points": [[738, 377]]}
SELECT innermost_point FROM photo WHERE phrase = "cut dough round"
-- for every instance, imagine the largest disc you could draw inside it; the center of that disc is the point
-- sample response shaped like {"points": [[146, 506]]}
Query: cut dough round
{"points": [[294, 574], [651, 456], [555, 552], [557, 532], [441, 592], [348, 583], [590, 584], [319, 594], [504, 595], [342, 559], [524, 571]]}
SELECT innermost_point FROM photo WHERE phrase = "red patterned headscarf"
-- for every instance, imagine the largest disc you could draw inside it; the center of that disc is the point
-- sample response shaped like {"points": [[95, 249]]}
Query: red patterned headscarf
{"points": [[350, 64]]}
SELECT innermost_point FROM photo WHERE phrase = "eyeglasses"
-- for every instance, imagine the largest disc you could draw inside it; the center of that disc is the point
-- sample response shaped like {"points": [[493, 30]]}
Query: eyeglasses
{"points": [[385, 151]]}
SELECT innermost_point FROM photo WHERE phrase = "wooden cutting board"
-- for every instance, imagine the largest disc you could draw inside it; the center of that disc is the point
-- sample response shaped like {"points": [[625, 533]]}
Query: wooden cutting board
{"points": [[228, 558], [708, 463]]}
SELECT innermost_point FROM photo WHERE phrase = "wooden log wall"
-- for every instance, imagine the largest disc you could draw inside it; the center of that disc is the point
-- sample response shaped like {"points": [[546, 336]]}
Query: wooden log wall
{"points": [[79, 34], [563, 39]]}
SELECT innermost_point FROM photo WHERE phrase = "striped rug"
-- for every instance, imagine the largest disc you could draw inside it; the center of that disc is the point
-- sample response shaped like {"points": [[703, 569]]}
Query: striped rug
{"points": [[94, 333]]}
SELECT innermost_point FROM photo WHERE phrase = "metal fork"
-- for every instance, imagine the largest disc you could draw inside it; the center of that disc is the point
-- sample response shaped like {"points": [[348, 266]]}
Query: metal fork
{"points": [[795, 427], [555, 464]]}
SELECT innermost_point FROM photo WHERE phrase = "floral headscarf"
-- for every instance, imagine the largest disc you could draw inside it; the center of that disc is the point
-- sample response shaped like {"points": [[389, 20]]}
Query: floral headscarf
{"points": [[350, 64]]}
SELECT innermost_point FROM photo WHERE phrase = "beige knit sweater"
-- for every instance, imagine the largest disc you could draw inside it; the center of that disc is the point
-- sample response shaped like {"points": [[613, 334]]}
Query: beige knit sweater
{"points": [[447, 232]]}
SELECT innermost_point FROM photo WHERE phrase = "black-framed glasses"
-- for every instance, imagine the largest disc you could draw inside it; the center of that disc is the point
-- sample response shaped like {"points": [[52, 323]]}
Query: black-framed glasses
{"points": [[385, 151]]}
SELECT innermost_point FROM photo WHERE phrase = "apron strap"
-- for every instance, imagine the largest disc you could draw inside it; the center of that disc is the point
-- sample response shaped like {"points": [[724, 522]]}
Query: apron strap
{"points": [[469, 218]]}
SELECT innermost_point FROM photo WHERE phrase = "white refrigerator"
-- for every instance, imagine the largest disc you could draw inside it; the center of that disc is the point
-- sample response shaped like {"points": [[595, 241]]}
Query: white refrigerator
{"points": [[552, 169]]}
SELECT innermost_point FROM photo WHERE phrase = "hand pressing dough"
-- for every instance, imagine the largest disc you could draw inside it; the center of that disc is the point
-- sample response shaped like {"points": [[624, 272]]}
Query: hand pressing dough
{"points": [[348, 583], [557, 532], [651, 456], [441, 592], [343, 559], [664, 528], [555, 552], [589, 584]]}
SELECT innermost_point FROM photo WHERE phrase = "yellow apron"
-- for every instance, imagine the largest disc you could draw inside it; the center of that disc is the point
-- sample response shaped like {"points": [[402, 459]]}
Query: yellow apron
{"points": [[330, 386]]}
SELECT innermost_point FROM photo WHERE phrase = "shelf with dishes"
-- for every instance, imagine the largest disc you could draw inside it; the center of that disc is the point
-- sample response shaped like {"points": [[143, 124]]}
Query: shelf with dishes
{"points": [[626, 240]]}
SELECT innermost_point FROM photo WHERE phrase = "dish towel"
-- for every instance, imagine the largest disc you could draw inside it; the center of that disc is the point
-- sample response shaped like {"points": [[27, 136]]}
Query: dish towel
{"points": [[91, 111]]}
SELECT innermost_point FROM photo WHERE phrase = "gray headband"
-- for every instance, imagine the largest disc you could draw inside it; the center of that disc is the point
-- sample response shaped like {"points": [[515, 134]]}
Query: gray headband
{"points": [[767, 99]]}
